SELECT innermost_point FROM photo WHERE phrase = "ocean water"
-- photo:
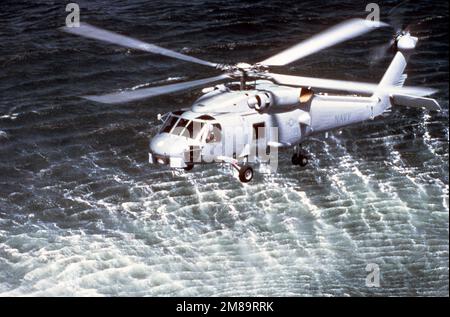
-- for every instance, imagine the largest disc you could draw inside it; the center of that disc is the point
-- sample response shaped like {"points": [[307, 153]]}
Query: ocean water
{"points": [[82, 213]]}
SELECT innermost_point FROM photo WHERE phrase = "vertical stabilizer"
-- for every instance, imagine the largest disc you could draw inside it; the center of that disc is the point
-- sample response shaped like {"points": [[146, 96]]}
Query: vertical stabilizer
{"points": [[394, 75]]}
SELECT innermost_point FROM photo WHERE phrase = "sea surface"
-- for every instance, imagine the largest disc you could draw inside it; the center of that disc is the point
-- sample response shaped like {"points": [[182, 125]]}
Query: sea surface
{"points": [[82, 213]]}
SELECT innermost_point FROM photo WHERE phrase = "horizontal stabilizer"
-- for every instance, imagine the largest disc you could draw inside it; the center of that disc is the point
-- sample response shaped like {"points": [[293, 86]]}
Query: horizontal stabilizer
{"points": [[415, 102]]}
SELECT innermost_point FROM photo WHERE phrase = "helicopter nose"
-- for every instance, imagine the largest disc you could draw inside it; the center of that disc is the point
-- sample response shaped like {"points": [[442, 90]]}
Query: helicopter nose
{"points": [[167, 146]]}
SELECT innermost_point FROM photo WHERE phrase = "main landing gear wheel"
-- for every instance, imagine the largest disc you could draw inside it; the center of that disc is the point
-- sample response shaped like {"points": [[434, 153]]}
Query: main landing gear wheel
{"points": [[303, 160], [299, 159], [188, 167], [245, 174]]}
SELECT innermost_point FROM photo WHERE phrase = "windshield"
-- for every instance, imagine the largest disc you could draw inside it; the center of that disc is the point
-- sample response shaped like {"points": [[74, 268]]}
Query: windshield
{"points": [[179, 128], [169, 124], [184, 127]]}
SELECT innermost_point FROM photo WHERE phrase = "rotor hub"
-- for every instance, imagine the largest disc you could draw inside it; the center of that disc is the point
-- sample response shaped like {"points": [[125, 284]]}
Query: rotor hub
{"points": [[244, 70]]}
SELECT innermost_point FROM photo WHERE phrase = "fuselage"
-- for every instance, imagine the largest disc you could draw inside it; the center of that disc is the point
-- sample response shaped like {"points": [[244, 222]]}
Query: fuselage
{"points": [[223, 123]]}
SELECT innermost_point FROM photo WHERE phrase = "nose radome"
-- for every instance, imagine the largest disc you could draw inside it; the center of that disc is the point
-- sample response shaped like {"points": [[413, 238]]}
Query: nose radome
{"points": [[168, 145]]}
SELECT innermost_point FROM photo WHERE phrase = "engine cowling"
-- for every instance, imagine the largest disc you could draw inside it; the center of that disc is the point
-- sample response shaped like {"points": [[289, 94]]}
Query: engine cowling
{"points": [[280, 98], [261, 101]]}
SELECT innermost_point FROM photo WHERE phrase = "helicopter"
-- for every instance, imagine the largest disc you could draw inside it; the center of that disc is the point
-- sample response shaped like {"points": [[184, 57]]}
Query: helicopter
{"points": [[251, 111]]}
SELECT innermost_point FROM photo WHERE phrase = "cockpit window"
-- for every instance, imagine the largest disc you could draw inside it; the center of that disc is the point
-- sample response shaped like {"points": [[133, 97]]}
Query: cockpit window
{"points": [[177, 125], [169, 124], [179, 128], [197, 127], [192, 129], [182, 123], [205, 117], [189, 130]]}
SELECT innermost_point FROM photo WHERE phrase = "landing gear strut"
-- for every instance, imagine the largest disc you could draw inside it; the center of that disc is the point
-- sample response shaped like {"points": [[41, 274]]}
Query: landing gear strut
{"points": [[299, 157], [245, 171]]}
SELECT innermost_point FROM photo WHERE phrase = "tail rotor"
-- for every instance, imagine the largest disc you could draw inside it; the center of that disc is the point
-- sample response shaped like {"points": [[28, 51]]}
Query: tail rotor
{"points": [[420, 29]]}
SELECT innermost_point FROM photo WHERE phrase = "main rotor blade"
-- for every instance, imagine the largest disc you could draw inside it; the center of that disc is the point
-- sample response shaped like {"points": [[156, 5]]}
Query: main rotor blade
{"points": [[127, 96], [89, 31], [349, 86], [337, 34]]}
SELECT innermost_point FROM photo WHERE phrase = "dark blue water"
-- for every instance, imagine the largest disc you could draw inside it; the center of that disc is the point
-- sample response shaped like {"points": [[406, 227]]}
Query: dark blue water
{"points": [[83, 213]]}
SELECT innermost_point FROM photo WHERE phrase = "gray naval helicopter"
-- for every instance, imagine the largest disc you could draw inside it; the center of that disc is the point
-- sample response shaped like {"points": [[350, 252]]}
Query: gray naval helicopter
{"points": [[251, 111]]}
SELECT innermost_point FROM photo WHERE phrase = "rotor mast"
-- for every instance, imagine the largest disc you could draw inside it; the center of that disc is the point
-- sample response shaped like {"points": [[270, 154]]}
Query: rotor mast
{"points": [[240, 70]]}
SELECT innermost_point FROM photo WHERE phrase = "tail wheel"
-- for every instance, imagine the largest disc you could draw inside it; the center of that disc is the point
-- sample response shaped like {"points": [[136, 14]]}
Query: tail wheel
{"points": [[299, 159], [245, 174]]}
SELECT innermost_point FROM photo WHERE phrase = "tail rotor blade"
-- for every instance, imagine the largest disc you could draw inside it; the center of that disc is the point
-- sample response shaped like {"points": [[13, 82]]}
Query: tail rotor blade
{"points": [[92, 32], [127, 96], [337, 34], [379, 52]]}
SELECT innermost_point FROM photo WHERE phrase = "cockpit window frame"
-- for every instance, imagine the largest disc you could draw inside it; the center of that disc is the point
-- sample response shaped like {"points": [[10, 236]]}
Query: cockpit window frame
{"points": [[166, 123], [187, 121], [201, 136]]}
